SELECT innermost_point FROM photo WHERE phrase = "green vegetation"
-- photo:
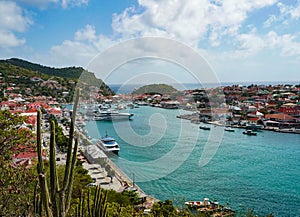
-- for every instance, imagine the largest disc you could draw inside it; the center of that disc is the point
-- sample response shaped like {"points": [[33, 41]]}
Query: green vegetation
{"points": [[155, 89], [31, 79], [76, 73], [60, 139], [16, 182], [55, 198], [67, 72]]}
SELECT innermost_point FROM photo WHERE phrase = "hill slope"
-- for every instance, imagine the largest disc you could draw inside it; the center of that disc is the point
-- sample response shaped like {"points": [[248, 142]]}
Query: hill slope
{"points": [[33, 69]]}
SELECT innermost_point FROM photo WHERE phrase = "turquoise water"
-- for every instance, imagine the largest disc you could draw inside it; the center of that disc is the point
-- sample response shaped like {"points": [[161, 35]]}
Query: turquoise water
{"points": [[162, 153]]}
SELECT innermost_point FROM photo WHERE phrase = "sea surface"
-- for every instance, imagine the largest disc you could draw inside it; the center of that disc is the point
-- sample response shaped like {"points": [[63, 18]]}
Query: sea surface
{"points": [[128, 88], [161, 153]]}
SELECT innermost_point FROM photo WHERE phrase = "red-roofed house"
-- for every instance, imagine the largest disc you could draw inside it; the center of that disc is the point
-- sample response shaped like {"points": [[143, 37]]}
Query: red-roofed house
{"points": [[55, 111], [280, 117]]}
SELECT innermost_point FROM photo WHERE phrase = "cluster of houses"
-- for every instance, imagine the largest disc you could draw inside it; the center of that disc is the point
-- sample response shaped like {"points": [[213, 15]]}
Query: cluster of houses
{"points": [[272, 106], [25, 153], [275, 106]]}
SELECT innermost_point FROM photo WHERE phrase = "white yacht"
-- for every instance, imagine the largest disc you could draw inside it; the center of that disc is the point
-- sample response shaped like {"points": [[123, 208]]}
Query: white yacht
{"points": [[108, 145], [110, 115]]}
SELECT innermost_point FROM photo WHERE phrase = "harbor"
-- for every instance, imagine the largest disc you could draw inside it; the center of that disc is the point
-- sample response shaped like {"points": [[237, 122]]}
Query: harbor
{"points": [[241, 182]]}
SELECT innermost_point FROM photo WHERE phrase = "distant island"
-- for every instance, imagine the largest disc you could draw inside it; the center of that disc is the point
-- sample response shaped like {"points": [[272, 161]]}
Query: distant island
{"points": [[155, 89]]}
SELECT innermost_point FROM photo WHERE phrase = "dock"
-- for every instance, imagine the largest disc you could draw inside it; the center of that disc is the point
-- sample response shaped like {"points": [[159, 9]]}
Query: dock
{"points": [[119, 182]]}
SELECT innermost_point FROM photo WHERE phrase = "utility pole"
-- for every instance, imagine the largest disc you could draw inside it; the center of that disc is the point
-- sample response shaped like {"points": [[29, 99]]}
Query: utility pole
{"points": [[133, 177]]}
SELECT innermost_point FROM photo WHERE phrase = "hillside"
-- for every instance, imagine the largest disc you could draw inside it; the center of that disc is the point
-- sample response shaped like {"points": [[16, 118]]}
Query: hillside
{"points": [[155, 88], [18, 67], [67, 72]]}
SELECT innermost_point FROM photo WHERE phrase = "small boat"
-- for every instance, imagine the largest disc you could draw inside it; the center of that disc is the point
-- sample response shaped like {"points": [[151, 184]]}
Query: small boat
{"points": [[229, 129], [289, 130], [213, 208], [254, 127], [108, 145], [204, 128], [249, 133]]}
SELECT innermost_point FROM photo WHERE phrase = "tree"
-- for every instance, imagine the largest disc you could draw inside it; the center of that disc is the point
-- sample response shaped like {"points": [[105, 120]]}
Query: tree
{"points": [[11, 133], [166, 208]]}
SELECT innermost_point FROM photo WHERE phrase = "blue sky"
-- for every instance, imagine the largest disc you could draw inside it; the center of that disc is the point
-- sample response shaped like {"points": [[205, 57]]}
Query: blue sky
{"points": [[242, 40]]}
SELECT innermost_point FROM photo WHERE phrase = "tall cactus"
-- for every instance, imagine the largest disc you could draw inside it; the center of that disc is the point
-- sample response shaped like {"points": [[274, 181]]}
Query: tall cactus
{"points": [[41, 170], [99, 206], [50, 205]]}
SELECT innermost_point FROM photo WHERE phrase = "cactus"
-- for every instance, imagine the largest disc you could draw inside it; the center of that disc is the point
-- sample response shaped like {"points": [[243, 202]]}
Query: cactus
{"points": [[56, 203], [41, 171], [99, 206]]}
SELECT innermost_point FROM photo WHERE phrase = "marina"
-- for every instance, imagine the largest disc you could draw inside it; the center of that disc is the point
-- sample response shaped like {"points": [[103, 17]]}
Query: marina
{"points": [[250, 172]]}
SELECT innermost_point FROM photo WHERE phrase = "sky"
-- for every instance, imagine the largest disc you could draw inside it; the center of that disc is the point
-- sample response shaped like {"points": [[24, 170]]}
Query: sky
{"points": [[241, 40]]}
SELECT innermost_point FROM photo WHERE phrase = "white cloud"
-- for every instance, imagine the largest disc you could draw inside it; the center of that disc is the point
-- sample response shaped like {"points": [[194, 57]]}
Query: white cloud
{"points": [[250, 43], [295, 12], [286, 14], [287, 42], [213, 23], [268, 23], [86, 45], [188, 21], [8, 39], [289, 10], [70, 3], [88, 33], [70, 52], [12, 19]]}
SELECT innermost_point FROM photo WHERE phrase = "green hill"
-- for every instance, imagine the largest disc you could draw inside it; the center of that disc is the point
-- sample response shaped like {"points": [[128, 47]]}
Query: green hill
{"points": [[18, 67], [67, 72], [155, 88]]}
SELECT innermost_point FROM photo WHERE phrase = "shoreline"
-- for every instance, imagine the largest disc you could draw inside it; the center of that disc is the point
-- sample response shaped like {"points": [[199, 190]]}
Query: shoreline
{"points": [[120, 181], [193, 118]]}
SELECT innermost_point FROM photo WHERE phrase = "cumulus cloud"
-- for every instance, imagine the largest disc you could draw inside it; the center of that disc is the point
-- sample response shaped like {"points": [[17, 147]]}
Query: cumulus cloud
{"points": [[287, 13], [70, 3], [8, 39], [88, 33], [211, 24], [287, 42], [85, 45], [189, 21], [12, 20]]}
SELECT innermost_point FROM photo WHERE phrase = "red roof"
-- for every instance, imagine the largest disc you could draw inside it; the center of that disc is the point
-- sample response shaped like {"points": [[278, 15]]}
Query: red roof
{"points": [[280, 116], [31, 110], [26, 155], [31, 120], [54, 111]]}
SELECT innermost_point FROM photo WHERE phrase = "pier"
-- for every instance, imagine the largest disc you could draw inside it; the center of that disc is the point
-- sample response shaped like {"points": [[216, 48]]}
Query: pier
{"points": [[119, 181]]}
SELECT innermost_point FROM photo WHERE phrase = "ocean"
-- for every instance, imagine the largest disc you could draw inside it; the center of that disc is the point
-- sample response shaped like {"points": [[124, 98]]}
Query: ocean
{"points": [[161, 153], [128, 88]]}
